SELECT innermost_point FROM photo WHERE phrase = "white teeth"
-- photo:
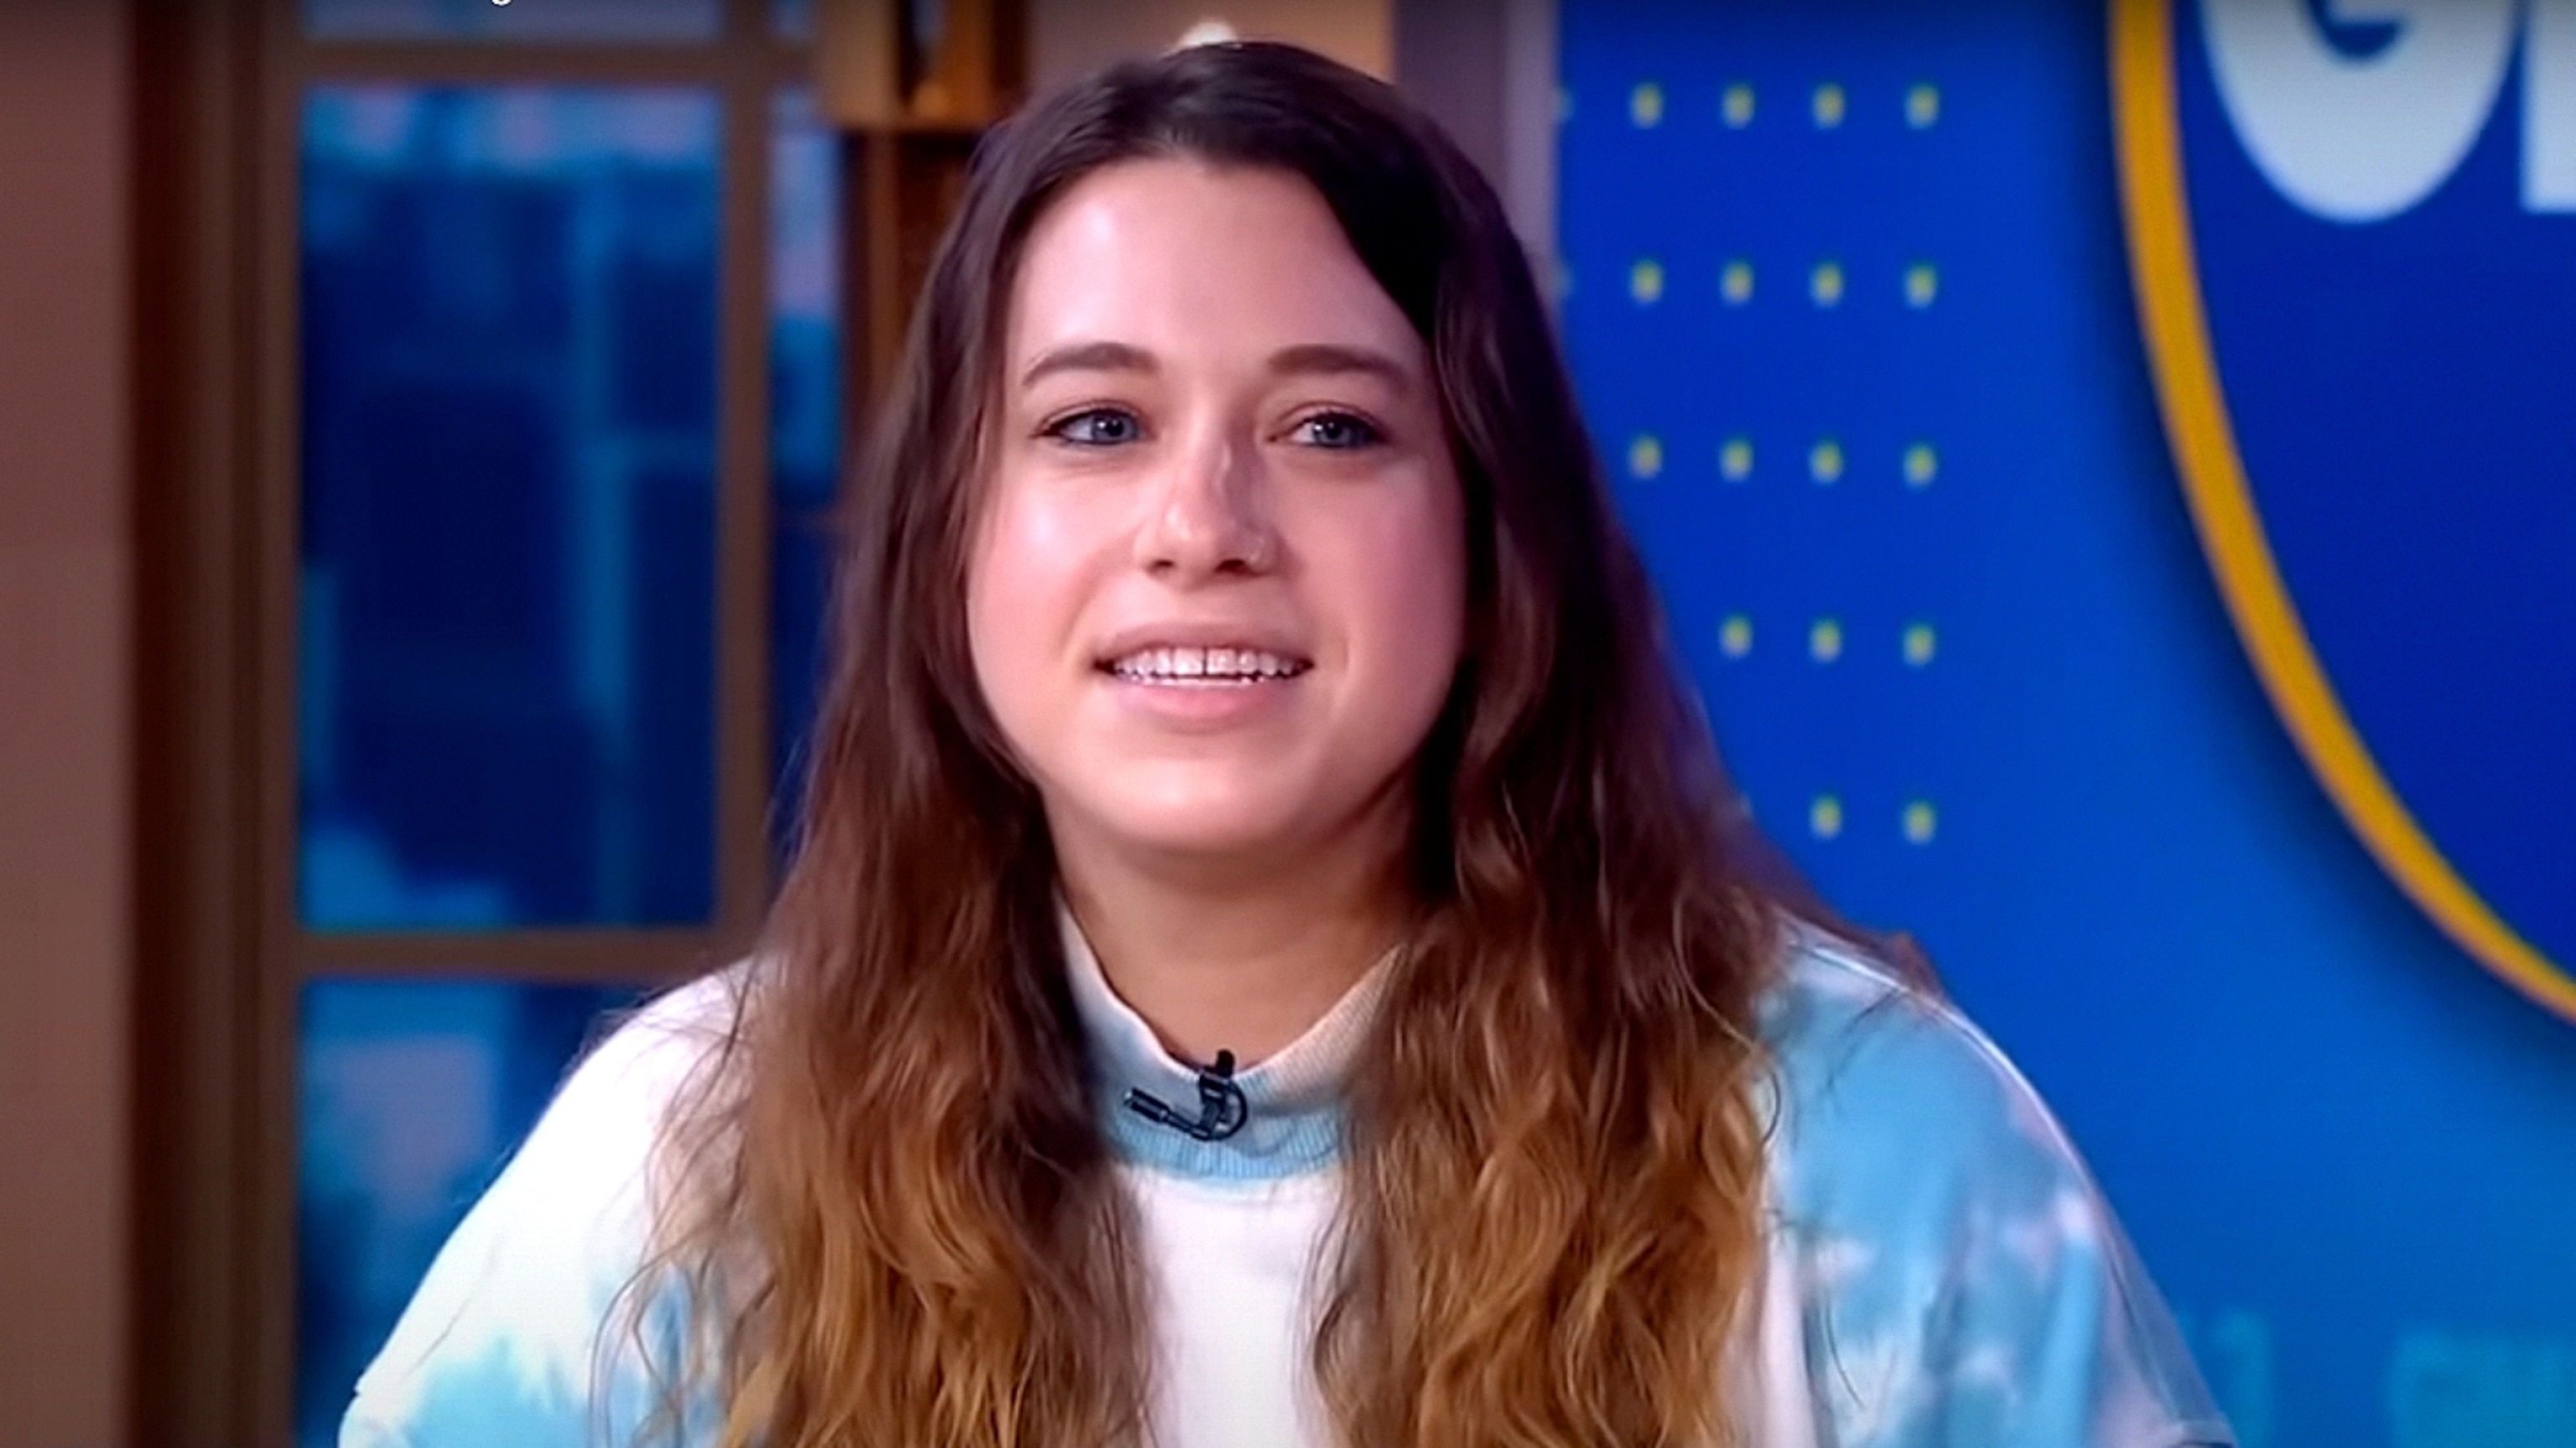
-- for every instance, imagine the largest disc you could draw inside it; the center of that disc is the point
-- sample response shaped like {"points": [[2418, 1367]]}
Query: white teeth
{"points": [[1216, 665]]}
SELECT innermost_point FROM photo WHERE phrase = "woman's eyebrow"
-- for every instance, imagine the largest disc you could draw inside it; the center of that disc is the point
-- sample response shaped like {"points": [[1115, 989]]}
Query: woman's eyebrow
{"points": [[1304, 359], [1333, 357], [1088, 357]]}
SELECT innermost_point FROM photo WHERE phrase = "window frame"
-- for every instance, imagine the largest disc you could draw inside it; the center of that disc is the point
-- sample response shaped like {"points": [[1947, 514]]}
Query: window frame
{"points": [[223, 956]]}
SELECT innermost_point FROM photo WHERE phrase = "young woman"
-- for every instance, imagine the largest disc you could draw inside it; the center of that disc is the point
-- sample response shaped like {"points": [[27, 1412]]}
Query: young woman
{"points": [[1266, 964]]}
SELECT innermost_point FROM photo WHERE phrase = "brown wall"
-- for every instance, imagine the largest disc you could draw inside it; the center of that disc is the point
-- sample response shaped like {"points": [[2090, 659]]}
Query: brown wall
{"points": [[64, 728], [1071, 38]]}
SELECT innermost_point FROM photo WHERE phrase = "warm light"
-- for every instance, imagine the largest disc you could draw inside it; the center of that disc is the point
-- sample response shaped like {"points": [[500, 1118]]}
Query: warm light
{"points": [[1829, 106], [1645, 457], [1735, 636], [1646, 105], [1207, 32], [1825, 284], [1825, 462], [1825, 817]]}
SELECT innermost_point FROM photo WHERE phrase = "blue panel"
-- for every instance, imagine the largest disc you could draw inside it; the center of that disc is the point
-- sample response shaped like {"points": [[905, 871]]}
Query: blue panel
{"points": [[805, 421], [2401, 390], [2342, 1147], [794, 19], [509, 320], [412, 1095], [537, 20]]}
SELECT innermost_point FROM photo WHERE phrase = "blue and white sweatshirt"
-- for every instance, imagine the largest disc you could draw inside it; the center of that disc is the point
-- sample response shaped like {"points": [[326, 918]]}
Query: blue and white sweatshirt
{"points": [[1942, 1271]]}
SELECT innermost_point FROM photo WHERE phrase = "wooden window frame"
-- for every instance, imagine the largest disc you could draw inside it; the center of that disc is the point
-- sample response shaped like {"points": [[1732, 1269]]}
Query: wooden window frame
{"points": [[222, 954]]}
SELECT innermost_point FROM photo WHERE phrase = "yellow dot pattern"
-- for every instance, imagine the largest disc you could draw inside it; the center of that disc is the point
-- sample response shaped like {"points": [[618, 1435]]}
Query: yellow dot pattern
{"points": [[1830, 286]]}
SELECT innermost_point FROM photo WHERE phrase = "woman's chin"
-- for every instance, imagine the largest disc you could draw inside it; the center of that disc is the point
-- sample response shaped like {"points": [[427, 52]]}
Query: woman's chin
{"points": [[1217, 817], [1210, 839], [1204, 830]]}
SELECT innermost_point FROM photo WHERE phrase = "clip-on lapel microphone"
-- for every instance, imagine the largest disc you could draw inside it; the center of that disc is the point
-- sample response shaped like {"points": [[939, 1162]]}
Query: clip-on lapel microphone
{"points": [[1222, 1107]]}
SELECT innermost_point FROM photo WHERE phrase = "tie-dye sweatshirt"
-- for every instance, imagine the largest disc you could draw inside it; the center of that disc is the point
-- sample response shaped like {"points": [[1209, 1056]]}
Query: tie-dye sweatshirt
{"points": [[1942, 1271]]}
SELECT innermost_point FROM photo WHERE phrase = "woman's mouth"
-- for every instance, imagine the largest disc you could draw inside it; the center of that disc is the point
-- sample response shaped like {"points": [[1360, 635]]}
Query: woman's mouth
{"points": [[1190, 667]]}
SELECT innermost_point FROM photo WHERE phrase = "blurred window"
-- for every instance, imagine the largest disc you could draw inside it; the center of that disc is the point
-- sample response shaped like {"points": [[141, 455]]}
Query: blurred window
{"points": [[506, 686], [561, 485], [414, 1092]]}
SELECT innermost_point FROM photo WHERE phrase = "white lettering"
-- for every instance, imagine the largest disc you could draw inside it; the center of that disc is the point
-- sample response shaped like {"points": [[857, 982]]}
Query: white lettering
{"points": [[2241, 1359], [2446, 1391], [2549, 106], [2360, 139]]}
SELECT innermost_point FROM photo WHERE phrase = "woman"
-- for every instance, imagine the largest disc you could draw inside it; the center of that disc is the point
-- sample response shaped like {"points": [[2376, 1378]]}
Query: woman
{"points": [[1264, 965]]}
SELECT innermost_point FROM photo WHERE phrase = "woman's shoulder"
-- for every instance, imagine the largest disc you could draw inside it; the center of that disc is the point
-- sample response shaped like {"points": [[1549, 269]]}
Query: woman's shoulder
{"points": [[1885, 1090], [1959, 1275], [501, 1341]]}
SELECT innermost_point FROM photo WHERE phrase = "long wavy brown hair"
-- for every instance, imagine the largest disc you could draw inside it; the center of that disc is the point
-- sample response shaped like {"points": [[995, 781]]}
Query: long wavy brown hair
{"points": [[888, 1204]]}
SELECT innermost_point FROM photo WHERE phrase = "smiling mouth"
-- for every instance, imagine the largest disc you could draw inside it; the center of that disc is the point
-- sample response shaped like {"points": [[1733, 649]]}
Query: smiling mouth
{"points": [[1204, 668]]}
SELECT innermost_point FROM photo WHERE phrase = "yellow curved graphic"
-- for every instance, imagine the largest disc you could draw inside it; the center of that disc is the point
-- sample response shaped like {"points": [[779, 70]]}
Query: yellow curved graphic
{"points": [[2166, 278]]}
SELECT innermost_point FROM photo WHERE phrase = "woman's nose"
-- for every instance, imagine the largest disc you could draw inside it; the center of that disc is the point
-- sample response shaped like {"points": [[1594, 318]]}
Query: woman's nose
{"points": [[1211, 516]]}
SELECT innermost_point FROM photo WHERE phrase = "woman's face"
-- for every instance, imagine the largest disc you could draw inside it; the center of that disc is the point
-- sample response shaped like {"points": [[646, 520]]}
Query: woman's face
{"points": [[1216, 597]]}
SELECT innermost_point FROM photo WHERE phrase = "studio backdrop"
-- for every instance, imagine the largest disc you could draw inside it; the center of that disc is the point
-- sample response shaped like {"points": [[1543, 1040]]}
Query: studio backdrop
{"points": [[2112, 472]]}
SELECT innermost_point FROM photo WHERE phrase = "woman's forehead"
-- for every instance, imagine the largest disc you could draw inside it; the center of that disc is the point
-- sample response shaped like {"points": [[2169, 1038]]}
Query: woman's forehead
{"points": [[1180, 260]]}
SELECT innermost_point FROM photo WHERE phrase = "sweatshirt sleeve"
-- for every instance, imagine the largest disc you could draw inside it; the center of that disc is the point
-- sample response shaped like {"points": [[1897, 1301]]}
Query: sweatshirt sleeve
{"points": [[503, 1340], [1961, 1281]]}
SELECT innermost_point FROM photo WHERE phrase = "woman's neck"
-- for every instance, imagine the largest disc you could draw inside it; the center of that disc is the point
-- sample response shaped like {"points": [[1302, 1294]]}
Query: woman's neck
{"points": [[1242, 963]]}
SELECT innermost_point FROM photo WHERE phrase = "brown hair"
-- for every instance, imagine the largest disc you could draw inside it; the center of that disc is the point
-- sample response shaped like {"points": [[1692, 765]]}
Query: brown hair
{"points": [[890, 1204]]}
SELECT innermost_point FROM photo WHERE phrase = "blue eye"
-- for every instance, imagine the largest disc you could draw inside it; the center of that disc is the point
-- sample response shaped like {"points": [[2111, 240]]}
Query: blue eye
{"points": [[1338, 430], [1097, 427]]}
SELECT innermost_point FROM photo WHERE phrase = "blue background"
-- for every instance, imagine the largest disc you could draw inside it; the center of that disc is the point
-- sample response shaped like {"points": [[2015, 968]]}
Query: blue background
{"points": [[2344, 1149], [2405, 396]]}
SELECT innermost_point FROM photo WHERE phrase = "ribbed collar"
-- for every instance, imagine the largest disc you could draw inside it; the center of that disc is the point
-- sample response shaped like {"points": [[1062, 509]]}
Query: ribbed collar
{"points": [[1294, 1121]]}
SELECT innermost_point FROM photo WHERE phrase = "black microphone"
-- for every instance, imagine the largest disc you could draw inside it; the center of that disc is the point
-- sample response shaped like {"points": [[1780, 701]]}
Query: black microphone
{"points": [[1222, 1107]]}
